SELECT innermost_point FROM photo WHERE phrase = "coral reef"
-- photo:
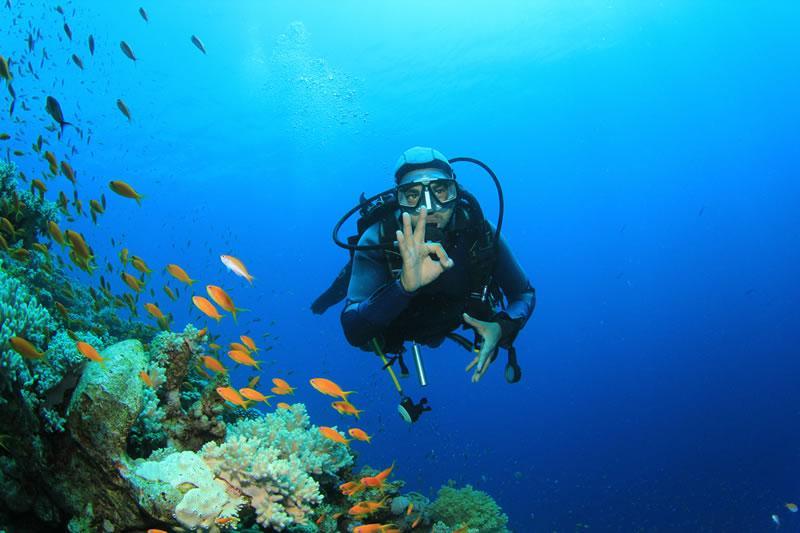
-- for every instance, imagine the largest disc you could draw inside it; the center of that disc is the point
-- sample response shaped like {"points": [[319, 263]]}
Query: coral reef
{"points": [[30, 213], [266, 463], [468, 507]]}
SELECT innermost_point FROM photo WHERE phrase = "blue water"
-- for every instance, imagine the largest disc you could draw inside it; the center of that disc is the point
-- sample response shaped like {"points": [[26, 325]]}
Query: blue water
{"points": [[647, 153]]}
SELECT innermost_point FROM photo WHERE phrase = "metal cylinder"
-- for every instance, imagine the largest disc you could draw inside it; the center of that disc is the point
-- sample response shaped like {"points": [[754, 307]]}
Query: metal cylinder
{"points": [[423, 380]]}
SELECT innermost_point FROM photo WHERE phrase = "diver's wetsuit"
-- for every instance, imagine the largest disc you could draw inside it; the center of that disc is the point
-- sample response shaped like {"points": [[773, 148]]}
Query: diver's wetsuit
{"points": [[378, 306]]}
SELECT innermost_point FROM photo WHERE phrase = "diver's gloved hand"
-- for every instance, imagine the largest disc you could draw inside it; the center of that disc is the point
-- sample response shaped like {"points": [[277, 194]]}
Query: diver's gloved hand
{"points": [[491, 333], [419, 268]]}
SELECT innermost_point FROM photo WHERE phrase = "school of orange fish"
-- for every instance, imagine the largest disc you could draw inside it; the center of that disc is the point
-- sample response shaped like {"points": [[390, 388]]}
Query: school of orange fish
{"points": [[81, 255]]}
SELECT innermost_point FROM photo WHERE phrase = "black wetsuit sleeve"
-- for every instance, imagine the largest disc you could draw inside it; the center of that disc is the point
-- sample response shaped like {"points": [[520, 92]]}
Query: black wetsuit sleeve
{"points": [[374, 297], [518, 290]]}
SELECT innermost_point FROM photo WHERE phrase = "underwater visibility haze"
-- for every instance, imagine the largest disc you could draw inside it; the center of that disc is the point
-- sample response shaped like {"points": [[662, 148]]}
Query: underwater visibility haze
{"points": [[170, 178]]}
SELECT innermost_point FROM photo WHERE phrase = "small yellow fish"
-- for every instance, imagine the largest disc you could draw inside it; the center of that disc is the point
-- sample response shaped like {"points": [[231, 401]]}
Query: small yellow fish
{"points": [[180, 274], [283, 405], [78, 244], [132, 282], [25, 348], [125, 190], [140, 265], [170, 293], [55, 233], [792, 507]]}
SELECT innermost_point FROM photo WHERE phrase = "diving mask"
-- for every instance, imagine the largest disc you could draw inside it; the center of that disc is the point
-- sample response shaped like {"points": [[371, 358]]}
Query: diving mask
{"points": [[429, 188]]}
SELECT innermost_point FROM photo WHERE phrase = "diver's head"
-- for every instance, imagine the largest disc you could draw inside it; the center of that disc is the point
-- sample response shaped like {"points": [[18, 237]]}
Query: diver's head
{"points": [[424, 178]]}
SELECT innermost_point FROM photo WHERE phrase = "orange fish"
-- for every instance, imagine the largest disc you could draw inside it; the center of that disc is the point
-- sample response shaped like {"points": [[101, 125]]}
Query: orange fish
{"points": [[25, 348], [236, 266], [373, 528], [328, 387], [351, 488], [369, 507], [359, 434], [250, 343], [206, 307], [222, 299], [332, 434], [283, 386], [280, 392], [156, 531], [202, 333], [409, 508], [346, 408], [319, 520], [243, 359], [416, 521], [253, 382], [229, 394], [88, 351], [283, 405], [252, 394], [462, 529], [239, 347], [146, 378], [154, 310], [180, 274], [378, 480], [213, 364]]}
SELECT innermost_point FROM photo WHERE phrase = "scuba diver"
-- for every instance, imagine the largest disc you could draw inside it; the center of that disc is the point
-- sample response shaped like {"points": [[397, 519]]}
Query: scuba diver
{"points": [[424, 262]]}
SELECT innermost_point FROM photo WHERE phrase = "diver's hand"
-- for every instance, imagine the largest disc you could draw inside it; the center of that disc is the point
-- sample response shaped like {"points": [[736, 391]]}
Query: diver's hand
{"points": [[419, 268], [491, 332]]}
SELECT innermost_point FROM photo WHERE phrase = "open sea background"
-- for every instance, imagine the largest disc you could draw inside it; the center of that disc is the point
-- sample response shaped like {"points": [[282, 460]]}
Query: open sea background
{"points": [[648, 156]]}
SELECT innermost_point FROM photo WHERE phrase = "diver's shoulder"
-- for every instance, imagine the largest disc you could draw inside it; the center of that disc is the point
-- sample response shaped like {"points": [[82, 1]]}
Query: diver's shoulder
{"points": [[371, 235]]}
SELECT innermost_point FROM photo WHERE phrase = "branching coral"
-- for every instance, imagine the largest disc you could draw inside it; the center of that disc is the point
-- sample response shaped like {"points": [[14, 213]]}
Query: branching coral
{"points": [[20, 315], [266, 463]]}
